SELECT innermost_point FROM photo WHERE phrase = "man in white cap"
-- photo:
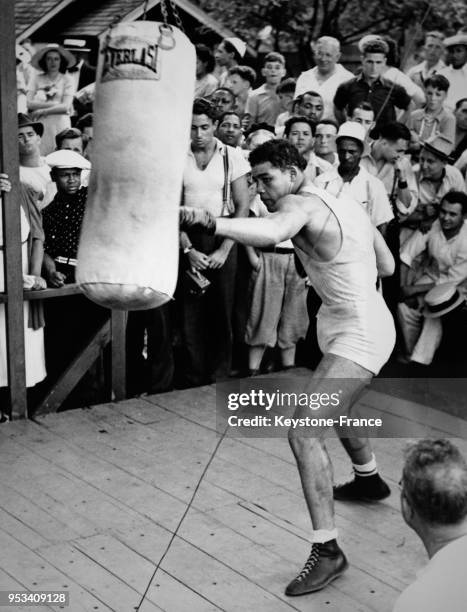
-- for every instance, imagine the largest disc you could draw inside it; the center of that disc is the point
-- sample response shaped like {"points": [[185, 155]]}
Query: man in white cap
{"points": [[350, 179], [229, 53], [71, 320], [445, 250], [456, 72], [63, 217], [326, 76]]}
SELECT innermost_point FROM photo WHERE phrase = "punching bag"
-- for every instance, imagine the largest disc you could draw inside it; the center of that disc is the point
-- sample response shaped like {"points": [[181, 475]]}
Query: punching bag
{"points": [[128, 251]]}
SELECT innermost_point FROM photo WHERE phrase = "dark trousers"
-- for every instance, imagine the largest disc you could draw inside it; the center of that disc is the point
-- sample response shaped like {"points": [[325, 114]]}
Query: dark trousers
{"points": [[154, 373], [70, 323], [206, 320]]}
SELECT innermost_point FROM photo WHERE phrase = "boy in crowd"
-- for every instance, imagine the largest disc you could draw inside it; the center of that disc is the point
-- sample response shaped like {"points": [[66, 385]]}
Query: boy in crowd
{"points": [[434, 119], [325, 141], [285, 91], [363, 113], [264, 105], [300, 132], [240, 81]]}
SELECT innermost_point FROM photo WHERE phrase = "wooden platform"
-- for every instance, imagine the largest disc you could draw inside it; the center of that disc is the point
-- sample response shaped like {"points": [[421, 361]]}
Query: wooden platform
{"points": [[89, 500]]}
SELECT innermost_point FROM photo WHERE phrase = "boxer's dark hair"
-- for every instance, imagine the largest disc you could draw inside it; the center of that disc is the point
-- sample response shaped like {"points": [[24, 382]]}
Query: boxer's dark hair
{"points": [[279, 153], [393, 131]]}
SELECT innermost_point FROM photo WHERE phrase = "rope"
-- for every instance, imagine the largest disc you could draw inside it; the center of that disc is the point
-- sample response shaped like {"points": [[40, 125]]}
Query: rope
{"points": [[187, 509]]}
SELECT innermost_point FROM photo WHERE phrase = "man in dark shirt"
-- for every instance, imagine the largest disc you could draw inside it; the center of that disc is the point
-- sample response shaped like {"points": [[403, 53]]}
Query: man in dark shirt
{"points": [[71, 321], [369, 86]]}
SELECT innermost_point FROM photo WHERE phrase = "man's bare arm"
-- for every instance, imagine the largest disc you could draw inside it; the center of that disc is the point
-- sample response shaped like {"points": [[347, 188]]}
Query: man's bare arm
{"points": [[384, 259]]}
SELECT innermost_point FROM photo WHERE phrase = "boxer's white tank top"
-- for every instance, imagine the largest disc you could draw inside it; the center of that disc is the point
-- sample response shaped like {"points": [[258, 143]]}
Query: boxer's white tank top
{"points": [[353, 321]]}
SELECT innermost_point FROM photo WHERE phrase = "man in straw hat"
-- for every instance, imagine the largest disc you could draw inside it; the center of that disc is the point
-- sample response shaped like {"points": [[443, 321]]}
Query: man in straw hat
{"points": [[445, 247], [435, 178]]}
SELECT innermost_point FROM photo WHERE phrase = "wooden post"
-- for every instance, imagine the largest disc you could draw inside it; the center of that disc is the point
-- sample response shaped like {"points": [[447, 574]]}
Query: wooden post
{"points": [[11, 212], [118, 348]]}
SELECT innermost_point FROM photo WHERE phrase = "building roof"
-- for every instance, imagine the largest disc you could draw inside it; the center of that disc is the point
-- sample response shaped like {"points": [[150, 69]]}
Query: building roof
{"points": [[31, 14], [92, 17]]}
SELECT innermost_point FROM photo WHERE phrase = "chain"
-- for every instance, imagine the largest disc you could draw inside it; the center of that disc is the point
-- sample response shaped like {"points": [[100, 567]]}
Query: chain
{"points": [[178, 21], [145, 9], [165, 12]]}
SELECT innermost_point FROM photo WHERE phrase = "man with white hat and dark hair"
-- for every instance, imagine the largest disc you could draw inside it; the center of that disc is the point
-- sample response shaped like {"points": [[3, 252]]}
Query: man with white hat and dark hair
{"points": [[63, 217], [229, 53], [456, 72], [445, 261], [350, 179], [71, 320]]}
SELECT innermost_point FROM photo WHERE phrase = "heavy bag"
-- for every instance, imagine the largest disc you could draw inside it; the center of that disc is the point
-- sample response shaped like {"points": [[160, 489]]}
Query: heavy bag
{"points": [[128, 251]]}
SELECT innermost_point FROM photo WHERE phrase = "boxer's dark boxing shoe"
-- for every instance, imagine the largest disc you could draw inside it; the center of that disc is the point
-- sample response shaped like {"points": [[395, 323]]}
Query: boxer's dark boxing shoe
{"points": [[362, 488], [325, 563]]}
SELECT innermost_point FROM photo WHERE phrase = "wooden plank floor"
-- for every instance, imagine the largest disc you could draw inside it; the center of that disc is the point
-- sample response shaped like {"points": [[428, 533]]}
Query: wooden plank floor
{"points": [[90, 498]]}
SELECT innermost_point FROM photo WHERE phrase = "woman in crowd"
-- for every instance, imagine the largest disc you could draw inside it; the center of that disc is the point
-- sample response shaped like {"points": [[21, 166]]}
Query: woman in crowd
{"points": [[50, 95]]}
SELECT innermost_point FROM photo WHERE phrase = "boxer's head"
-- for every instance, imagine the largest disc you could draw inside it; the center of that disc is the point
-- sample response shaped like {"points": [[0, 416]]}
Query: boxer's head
{"points": [[277, 168]]}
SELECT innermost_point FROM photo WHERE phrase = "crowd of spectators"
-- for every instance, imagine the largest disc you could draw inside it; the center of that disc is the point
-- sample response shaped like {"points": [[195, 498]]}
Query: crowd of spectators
{"points": [[394, 141]]}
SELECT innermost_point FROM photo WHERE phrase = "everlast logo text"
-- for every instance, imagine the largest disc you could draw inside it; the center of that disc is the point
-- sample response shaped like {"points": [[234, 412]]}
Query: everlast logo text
{"points": [[131, 61]]}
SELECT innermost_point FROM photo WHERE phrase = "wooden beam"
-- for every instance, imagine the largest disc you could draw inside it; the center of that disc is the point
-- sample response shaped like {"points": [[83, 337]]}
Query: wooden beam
{"points": [[74, 372], [118, 324], [45, 294], [9, 163]]}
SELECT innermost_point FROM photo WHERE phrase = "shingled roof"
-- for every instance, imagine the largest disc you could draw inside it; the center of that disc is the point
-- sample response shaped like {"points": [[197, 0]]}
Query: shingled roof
{"points": [[92, 17], [31, 14]]}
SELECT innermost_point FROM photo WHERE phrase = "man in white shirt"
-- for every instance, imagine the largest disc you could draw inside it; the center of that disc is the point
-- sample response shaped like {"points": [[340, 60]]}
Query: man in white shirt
{"points": [[444, 248], [326, 76], [433, 62], [434, 505], [33, 169], [215, 179], [350, 179], [456, 72]]}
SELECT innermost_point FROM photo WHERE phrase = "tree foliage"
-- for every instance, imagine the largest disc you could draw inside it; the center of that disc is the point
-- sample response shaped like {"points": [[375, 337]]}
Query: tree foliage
{"points": [[348, 20]]}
